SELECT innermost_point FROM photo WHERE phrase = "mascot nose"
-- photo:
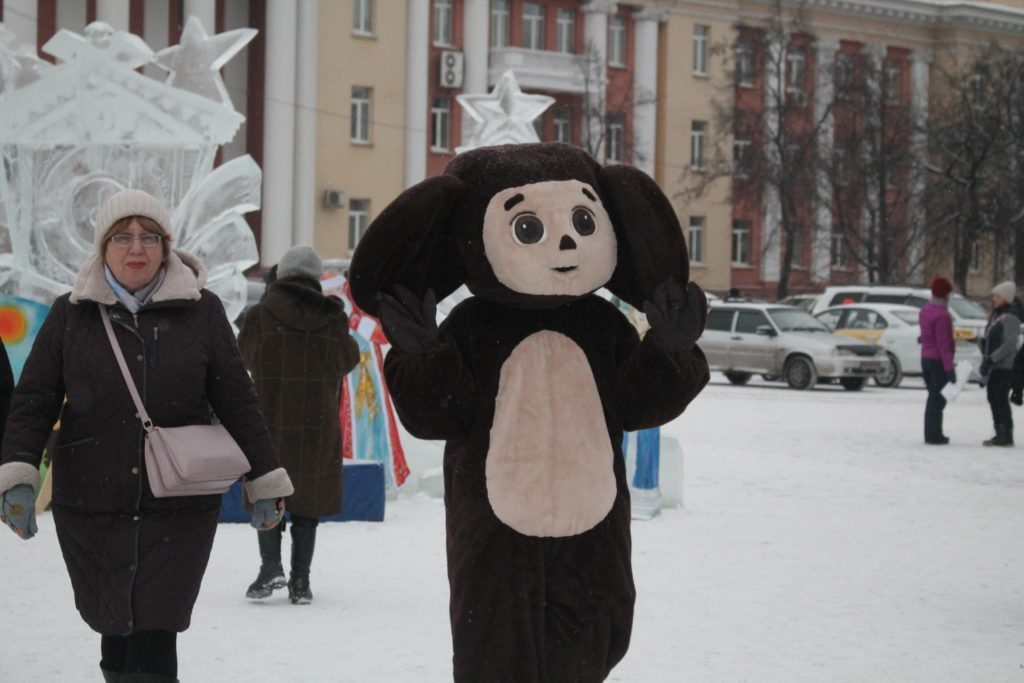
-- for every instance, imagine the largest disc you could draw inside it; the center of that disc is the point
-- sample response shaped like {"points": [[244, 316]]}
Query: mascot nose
{"points": [[566, 243]]}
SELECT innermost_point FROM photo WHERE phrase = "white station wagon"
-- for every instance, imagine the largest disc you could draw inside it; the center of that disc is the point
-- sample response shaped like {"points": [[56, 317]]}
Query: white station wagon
{"points": [[782, 342]]}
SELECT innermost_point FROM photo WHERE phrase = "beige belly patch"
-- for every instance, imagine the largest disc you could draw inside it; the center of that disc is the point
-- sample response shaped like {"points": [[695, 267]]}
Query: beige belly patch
{"points": [[549, 466]]}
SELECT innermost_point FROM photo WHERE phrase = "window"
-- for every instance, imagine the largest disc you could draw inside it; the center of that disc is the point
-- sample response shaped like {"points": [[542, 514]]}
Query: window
{"points": [[720, 320], [744, 63], [700, 50], [443, 18], [741, 243], [697, 130], [533, 26], [362, 19], [360, 124], [748, 321], [696, 239], [976, 84], [617, 41], [830, 318], [840, 252], [796, 73], [741, 162], [616, 137], [440, 124], [846, 298], [565, 25], [563, 126], [499, 23], [863, 319], [843, 73], [976, 257], [893, 81], [358, 220]]}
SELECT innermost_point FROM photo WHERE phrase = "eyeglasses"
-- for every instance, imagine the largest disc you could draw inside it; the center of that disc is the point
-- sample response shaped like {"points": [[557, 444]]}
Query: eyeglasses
{"points": [[148, 239]]}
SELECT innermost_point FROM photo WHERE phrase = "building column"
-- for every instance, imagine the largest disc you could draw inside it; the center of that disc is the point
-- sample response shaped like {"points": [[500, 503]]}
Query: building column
{"points": [[595, 40], [875, 54], [279, 130], [475, 39], [113, 12], [417, 79], [645, 86], [305, 198], [824, 93], [771, 224], [921, 61], [205, 11]]}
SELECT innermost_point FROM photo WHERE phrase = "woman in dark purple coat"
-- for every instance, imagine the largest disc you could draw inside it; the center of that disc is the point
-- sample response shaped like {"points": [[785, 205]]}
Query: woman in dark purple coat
{"points": [[135, 561], [937, 351]]}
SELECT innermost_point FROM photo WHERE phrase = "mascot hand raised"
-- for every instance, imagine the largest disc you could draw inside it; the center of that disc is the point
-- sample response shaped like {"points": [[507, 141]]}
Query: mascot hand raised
{"points": [[677, 316], [409, 322]]}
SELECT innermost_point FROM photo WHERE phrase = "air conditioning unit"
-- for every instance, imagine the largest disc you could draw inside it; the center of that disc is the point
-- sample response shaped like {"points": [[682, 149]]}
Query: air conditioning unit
{"points": [[451, 69], [334, 199]]}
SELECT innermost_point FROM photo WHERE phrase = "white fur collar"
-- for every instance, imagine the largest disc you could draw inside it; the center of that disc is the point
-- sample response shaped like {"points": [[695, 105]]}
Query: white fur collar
{"points": [[186, 275]]}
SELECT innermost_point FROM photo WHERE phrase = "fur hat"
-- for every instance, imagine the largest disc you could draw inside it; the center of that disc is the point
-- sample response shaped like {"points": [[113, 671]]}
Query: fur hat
{"points": [[130, 203], [300, 260], [941, 287], [1007, 291]]}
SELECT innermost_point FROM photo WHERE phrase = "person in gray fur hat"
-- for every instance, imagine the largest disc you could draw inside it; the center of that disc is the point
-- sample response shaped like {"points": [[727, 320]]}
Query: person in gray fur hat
{"points": [[999, 346], [135, 561]]}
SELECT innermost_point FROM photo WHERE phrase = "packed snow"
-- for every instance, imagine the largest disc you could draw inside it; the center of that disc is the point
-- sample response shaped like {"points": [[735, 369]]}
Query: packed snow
{"points": [[820, 540]]}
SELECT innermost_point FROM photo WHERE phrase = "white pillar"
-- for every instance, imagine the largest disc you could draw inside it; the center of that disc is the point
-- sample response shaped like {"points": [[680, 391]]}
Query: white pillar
{"points": [[921, 61], [417, 46], [824, 93], [21, 17], [475, 25], [304, 196], [113, 12], [279, 130], [771, 224], [205, 11], [645, 85], [595, 36]]}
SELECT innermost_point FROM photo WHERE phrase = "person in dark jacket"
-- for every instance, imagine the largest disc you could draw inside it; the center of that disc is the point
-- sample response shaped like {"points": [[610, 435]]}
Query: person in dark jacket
{"points": [[1000, 348], [937, 350], [297, 345], [135, 561]]}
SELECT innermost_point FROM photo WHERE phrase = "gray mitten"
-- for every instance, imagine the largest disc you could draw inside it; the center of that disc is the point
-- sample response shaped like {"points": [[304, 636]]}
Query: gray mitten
{"points": [[19, 510], [267, 513]]}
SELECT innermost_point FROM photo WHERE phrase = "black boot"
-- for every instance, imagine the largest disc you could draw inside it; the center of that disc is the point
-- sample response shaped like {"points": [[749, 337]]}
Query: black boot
{"points": [[1003, 437], [271, 576], [111, 676], [147, 678], [303, 541]]}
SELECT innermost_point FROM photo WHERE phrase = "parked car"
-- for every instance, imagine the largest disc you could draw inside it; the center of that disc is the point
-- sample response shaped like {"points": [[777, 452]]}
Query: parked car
{"points": [[782, 342], [969, 319], [895, 329], [802, 301]]}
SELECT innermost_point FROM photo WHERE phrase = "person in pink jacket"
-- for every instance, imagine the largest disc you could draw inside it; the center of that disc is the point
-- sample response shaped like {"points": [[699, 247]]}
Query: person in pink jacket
{"points": [[937, 349]]}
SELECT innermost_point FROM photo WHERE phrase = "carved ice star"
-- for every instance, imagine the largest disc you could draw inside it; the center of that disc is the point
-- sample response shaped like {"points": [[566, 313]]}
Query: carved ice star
{"points": [[195, 62], [505, 116]]}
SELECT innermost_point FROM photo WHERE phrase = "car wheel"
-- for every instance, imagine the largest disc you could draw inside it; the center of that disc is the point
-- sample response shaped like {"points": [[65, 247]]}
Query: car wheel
{"points": [[800, 373], [893, 374], [738, 378], [853, 383]]}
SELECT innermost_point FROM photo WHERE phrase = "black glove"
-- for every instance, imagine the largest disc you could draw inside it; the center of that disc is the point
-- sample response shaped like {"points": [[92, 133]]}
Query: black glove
{"points": [[986, 365], [410, 324], [951, 376], [1017, 397], [677, 316]]}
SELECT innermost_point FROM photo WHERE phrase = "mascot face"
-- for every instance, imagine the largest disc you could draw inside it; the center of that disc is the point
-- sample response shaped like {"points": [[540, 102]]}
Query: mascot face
{"points": [[550, 238]]}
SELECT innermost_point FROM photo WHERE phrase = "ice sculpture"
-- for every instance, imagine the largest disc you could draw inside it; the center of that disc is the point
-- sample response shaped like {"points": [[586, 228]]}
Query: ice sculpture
{"points": [[73, 133], [504, 116]]}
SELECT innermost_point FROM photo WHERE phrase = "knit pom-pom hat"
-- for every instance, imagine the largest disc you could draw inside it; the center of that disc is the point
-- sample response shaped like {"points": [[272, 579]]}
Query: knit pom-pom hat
{"points": [[300, 261], [1007, 291], [130, 203]]}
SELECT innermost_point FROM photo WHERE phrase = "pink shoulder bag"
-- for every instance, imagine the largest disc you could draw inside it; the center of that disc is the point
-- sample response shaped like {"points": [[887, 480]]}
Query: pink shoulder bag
{"points": [[195, 460]]}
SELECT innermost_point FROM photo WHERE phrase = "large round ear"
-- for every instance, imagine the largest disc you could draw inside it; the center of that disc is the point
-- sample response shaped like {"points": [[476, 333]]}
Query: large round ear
{"points": [[651, 247], [410, 244]]}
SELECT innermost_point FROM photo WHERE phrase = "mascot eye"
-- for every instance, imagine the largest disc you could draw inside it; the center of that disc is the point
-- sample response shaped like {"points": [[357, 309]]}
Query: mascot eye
{"points": [[583, 221], [528, 229]]}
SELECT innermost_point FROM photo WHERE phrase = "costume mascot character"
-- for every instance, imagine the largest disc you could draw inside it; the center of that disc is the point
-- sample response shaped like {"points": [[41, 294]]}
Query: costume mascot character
{"points": [[531, 383]]}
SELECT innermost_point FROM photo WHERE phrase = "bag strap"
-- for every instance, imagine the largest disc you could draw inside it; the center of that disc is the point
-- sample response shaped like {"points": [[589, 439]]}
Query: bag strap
{"points": [[143, 415]]}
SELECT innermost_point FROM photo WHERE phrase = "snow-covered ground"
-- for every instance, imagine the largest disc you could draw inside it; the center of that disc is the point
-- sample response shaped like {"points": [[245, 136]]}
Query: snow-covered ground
{"points": [[821, 541]]}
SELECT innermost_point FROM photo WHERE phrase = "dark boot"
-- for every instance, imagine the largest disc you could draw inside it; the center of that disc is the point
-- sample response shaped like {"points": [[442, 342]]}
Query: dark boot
{"points": [[303, 541], [1003, 437], [111, 676], [147, 678], [271, 576]]}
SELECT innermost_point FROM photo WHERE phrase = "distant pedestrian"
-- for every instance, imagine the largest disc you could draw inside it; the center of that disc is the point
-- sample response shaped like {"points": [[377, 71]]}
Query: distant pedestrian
{"points": [[297, 345], [999, 347], [735, 295], [937, 350]]}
